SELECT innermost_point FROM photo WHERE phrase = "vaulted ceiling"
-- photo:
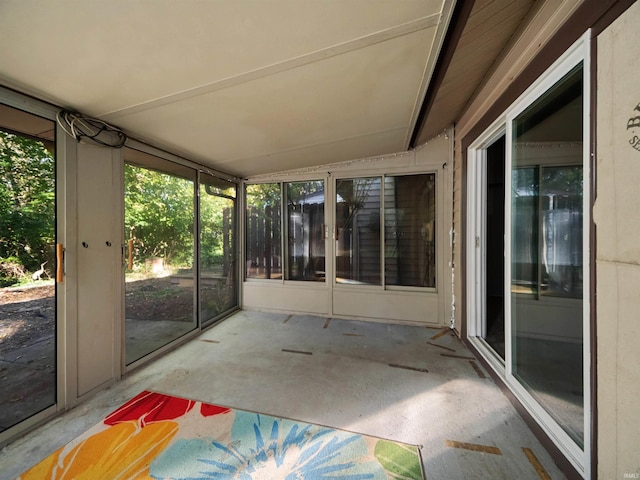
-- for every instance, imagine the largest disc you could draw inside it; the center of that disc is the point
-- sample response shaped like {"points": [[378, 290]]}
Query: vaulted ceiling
{"points": [[245, 86], [253, 86]]}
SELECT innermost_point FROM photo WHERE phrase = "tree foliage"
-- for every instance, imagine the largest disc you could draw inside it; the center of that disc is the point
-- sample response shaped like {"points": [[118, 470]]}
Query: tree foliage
{"points": [[159, 212], [159, 215], [27, 202], [217, 219]]}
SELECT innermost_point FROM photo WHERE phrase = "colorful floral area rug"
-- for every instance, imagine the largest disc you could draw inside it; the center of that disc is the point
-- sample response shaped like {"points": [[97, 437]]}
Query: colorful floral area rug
{"points": [[156, 436]]}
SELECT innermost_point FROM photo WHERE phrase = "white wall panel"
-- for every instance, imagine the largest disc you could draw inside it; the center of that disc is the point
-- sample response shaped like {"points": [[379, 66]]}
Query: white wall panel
{"points": [[286, 298], [395, 306], [98, 264]]}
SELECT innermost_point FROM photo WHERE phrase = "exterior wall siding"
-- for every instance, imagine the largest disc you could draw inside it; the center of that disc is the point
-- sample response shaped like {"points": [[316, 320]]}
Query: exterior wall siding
{"points": [[544, 22]]}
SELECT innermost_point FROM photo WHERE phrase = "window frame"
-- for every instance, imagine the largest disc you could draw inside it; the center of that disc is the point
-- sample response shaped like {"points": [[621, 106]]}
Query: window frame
{"points": [[437, 220], [245, 207], [435, 235]]}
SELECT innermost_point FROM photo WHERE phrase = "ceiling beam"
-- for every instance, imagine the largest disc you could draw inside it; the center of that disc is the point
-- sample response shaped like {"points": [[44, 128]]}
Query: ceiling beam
{"points": [[306, 59]]}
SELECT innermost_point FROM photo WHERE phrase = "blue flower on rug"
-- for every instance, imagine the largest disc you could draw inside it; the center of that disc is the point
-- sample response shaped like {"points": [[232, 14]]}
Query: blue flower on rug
{"points": [[263, 447]]}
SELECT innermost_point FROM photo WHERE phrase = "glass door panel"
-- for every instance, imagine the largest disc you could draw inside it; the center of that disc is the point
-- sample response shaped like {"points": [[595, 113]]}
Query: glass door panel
{"points": [[160, 277], [218, 279], [547, 254], [262, 231], [27, 270], [357, 231], [409, 230], [305, 231]]}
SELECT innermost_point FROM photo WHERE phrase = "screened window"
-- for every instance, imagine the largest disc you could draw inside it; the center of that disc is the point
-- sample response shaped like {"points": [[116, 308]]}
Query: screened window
{"points": [[357, 231], [263, 227], [305, 231], [384, 231], [28, 322], [160, 279], [409, 230], [217, 247]]}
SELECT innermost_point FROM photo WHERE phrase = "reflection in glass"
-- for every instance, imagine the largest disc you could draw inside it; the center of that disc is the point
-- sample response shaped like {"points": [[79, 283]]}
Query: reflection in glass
{"points": [[217, 247], [547, 253], [357, 231], [27, 268], [561, 215], [409, 230], [262, 231], [160, 278], [305, 231], [524, 230]]}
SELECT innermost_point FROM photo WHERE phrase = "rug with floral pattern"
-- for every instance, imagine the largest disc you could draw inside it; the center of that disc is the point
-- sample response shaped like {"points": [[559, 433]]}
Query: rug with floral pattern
{"points": [[157, 436]]}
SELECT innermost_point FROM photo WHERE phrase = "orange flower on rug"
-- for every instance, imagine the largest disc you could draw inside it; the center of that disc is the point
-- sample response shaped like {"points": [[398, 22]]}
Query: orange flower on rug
{"points": [[157, 436]]}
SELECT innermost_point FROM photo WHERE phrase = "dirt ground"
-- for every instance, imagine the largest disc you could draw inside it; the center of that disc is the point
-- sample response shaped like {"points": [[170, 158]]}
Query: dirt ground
{"points": [[26, 314], [27, 338], [27, 352], [27, 334], [158, 299]]}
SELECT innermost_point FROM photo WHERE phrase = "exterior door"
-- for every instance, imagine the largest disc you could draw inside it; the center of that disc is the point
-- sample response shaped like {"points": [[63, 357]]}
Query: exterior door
{"points": [[160, 275], [531, 321]]}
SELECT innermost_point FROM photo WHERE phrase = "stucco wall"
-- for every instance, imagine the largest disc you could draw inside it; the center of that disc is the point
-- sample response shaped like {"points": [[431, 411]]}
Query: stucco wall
{"points": [[618, 248]]}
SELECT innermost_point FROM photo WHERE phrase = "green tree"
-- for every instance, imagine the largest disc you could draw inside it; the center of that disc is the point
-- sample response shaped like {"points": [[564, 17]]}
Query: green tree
{"points": [[216, 220], [27, 201], [159, 215]]}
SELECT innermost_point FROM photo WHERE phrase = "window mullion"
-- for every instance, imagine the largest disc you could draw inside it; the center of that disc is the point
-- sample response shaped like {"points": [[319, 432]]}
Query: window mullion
{"points": [[383, 266]]}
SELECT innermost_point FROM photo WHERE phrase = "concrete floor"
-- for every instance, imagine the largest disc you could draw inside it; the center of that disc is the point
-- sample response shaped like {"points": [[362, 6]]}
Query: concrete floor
{"points": [[411, 384]]}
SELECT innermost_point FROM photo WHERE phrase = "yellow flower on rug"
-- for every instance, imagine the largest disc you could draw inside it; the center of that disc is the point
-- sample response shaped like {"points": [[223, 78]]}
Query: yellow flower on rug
{"points": [[121, 451]]}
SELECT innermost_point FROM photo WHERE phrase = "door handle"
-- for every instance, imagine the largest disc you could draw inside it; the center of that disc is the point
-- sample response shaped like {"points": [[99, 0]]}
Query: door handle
{"points": [[59, 263]]}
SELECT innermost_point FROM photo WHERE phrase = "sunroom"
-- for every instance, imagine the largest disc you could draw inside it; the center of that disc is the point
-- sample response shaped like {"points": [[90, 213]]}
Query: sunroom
{"points": [[407, 184]]}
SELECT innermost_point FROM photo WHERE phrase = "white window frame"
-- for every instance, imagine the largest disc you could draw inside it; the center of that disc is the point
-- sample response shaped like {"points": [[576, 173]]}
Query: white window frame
{"points": [[578, 53]]}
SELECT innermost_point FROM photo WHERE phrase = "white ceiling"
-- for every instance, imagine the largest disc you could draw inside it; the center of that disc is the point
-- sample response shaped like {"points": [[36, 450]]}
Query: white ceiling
{"points": [[244, 86]]}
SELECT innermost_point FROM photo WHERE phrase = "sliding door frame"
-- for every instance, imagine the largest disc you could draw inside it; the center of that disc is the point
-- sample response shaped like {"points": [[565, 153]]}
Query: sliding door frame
{"points": [[65, 314], [578, 53]]}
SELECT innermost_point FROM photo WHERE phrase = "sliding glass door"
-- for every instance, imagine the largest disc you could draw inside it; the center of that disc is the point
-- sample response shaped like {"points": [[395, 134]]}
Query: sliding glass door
{"points": [[528, 280], [160, 286], [28, 322], [547, 206]]}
